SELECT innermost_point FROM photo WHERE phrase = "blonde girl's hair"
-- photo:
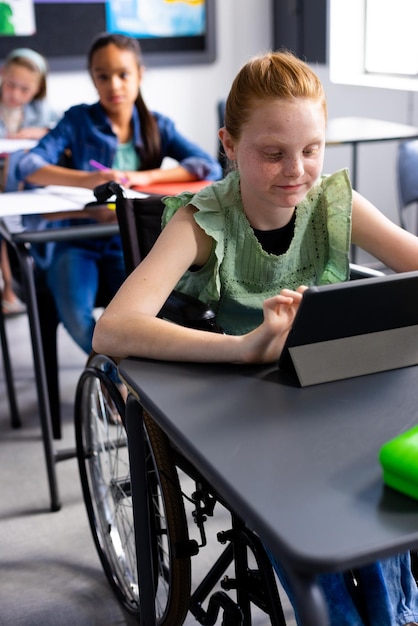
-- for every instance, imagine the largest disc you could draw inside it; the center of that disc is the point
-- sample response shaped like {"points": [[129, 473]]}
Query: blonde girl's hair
{"points": [[33, 61], [272, 75]]}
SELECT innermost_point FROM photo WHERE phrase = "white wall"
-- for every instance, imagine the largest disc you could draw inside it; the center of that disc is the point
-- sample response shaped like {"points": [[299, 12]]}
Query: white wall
{"points": [[189, 94]]}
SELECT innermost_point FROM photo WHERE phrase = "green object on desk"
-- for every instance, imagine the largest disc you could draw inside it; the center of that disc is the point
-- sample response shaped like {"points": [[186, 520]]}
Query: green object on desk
{"points": [[399, 459]]}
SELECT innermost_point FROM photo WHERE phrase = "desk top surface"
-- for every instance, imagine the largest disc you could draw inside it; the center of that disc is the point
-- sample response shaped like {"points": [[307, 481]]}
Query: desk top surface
{"points": [[364, 129], [49, 199], [300, 465], [172, 189], [7, 146], [57, 198]]}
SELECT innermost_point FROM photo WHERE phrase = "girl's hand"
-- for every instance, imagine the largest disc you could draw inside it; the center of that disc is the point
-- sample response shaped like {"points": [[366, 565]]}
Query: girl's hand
{"points": [[145, 178], [31, 132], [265, 343], [138, 179], [99, 177]]}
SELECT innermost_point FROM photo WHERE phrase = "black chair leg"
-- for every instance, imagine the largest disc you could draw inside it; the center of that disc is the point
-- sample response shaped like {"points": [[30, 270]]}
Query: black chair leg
{"points": [[8, 374], [31, 292], [48, 320]]}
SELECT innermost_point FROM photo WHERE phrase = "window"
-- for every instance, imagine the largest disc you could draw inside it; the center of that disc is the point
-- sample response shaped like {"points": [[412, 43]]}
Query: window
{"points": [[374, 43]]}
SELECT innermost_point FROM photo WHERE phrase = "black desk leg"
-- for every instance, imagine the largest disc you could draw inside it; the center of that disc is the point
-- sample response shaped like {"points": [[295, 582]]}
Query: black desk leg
{"points": [[140, 502], [309, 599], [26, 264]]}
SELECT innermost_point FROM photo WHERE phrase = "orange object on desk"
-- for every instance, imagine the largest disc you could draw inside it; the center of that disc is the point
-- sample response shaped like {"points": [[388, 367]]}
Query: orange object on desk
{"points": [[172, 189]]}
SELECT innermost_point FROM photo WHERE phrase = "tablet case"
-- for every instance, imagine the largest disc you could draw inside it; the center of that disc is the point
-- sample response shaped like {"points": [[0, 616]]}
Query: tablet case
{"points": [[354, 328]]}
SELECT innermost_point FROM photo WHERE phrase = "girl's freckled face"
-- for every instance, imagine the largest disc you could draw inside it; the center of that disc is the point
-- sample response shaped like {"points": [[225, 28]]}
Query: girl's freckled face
{"points": [[281, 150]]}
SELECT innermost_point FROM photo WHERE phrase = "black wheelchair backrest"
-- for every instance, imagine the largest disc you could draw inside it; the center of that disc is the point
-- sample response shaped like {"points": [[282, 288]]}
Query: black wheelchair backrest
{"points": [[139, 221], [140, 225]]}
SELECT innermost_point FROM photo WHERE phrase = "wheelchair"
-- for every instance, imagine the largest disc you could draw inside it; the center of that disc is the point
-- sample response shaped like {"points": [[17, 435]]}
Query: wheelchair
{"points": [[176, 491], [104, 470]]}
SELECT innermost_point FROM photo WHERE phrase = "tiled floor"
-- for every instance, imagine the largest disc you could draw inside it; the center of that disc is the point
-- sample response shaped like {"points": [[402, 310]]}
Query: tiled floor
{"points": [[50, 573]]}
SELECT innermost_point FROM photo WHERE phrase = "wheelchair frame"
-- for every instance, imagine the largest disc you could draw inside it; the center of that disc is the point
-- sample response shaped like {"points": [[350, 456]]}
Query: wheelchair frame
{"points": [[102, 453], [104, 470]]}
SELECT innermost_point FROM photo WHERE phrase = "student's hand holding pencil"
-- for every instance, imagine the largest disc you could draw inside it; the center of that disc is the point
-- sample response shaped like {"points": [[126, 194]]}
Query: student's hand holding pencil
{"points": [[109, 173]]}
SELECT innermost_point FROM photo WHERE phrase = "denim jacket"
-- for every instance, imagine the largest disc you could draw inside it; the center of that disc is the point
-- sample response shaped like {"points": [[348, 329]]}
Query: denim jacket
{"points": [[86, 131]]}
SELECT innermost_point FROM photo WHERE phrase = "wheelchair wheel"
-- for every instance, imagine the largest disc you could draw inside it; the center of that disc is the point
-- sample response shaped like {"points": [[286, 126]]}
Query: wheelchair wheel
{"points": [[104, 471]]}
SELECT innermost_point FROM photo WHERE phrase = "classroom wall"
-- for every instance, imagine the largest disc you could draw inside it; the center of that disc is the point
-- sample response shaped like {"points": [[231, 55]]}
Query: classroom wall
{"points": [[189, 95]]}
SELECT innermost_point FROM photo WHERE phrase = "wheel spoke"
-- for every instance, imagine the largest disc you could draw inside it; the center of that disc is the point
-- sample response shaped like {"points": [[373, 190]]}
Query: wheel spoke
{"points": [[105, 475]]}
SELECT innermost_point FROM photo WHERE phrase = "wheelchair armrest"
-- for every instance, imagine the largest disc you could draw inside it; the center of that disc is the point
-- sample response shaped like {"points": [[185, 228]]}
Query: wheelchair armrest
{"points": [[189, 311], [359, 271]]}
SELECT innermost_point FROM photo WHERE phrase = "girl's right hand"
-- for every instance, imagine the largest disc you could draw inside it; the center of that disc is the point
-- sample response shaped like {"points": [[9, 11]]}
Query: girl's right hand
{"points": [[99, 177], [265, 343]]}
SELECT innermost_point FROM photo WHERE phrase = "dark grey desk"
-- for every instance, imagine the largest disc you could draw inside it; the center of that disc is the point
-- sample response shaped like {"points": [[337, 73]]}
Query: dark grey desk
{"points": [[300, 466]]}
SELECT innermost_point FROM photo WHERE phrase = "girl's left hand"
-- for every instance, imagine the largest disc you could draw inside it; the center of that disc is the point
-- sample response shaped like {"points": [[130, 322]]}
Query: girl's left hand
{"points": [[31, 132], [137, 179]]}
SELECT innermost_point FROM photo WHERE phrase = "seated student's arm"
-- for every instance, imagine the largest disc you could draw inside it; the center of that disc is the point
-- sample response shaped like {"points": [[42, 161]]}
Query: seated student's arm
{"points": [[58, 175], [41, 165], [129, 326], [40, 119], [379, 236], [194, 163], [144, 178], [31, 132]]}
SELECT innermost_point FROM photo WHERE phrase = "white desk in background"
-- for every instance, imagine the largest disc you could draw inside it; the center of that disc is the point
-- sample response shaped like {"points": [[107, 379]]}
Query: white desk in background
{"points": [[356, 130], [50, 199], [53, 199], [7, 146]]}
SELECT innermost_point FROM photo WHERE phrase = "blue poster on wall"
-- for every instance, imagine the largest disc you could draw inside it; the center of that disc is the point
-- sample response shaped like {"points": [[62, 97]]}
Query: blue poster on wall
{"points": [[156, 18]]}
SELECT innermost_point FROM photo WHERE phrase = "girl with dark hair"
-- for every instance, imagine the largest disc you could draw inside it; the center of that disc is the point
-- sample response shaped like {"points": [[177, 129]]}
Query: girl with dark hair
{"points": [[130, 142]]}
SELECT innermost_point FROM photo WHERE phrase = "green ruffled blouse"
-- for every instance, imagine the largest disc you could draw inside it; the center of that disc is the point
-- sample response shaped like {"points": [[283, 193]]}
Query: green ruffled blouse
{"points": [[239, 274]]}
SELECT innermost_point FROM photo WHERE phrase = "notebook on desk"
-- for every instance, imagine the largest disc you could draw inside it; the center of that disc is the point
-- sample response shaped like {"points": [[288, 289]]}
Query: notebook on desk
{"points": [[354, 328]]}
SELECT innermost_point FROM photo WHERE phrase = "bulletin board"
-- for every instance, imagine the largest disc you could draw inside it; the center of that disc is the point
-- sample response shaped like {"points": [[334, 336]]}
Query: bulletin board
{"points": [[65, 31]]}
